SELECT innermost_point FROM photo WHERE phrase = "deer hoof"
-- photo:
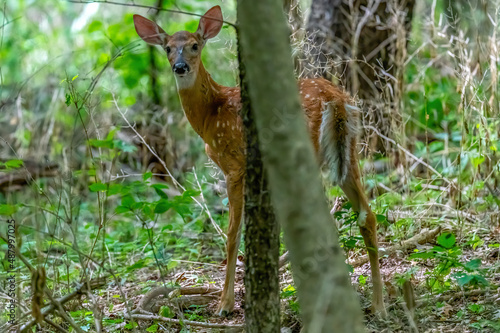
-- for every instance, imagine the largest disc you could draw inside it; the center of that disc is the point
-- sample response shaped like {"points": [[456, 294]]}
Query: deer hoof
{"points": [[225, 308]]}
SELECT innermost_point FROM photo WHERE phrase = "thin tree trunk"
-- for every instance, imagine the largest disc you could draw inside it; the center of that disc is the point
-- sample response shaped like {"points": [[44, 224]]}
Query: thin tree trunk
{"points": [[328, 302], [262, 293], [153, 67]]}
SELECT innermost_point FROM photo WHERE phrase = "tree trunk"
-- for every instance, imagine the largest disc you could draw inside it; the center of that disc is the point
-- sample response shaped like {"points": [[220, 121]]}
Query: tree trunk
{"points": [[153, 67], [262, 292], [340, 29], [326, 297]]}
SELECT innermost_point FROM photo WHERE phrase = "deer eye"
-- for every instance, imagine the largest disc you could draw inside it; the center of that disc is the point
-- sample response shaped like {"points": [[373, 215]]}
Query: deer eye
{"points": [[195, 47], [168, 49]]}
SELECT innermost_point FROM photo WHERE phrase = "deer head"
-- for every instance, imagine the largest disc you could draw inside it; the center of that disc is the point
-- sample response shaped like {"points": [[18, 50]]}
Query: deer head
{"points": [[183, 48]]}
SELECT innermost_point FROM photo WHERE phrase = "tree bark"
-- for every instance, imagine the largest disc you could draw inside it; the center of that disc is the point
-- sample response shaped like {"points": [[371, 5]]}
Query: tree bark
{"points": [[334, 24], [153, 68], [326, 297], [262, 293]]}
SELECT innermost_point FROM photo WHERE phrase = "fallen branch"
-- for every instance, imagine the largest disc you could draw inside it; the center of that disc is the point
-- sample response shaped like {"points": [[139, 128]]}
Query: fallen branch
{"points": [[182, 322], [450, 297], [204, 295], [31, 170], [283, 259], [425, 236]]}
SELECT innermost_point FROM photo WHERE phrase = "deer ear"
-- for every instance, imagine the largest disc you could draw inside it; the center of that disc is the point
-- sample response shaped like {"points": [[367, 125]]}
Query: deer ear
{"points": [[210, 23], [149, 31]]}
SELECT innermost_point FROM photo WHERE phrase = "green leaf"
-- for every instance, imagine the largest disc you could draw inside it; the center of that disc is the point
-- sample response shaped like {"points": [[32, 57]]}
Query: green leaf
{"points": [[473, 264], [139, 264], [131, 325], [96, 187], [225, 201], [95, 26], [382, 219], [480, 280], [190, 193], [148, 211], [115, 189], [464, 279], [68, 99], [74, 77], [162, 194], [160, 186], [476, 308], [124, 147], [147, 175], [127, 201], [476, 161], [137, 205], [182, 209], [14, 164], [152, 328], [7, 209], [446, 240], [362, 280], [122, 209], [162, 206], [159, 190], [101, 143], [130, 100], [166, 312]]}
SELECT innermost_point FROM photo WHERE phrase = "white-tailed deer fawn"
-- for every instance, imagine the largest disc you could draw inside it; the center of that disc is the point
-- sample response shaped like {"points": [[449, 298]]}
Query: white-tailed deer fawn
{"points": [[213, 111]]}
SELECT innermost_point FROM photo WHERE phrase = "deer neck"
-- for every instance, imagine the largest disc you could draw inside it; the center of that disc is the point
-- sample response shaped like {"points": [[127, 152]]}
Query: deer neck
{"points": [[200, 97]]}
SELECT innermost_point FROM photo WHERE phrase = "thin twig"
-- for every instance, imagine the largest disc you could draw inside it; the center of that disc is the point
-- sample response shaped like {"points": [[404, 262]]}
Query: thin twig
{"points": [[216, 227], [407, 152], [57, 326], [151, 150], [144, 6]]}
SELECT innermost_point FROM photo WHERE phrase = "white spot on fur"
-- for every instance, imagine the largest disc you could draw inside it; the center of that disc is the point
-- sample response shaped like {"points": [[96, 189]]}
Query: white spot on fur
{"points": [[217, 123], [223, 124], [307, 96], [214, 143], [362, 218]]}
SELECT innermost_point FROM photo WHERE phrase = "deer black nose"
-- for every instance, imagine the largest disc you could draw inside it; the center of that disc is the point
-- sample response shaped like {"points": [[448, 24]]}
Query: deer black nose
{"points": [[181, 68]]}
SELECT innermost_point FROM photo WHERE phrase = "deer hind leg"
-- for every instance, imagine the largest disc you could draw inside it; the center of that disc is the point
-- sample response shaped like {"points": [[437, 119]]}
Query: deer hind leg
{"points": [[367, 223], [235, 194]]}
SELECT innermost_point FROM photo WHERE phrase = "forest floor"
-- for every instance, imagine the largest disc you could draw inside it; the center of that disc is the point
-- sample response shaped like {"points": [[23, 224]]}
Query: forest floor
{"points": [[451, 309]]}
